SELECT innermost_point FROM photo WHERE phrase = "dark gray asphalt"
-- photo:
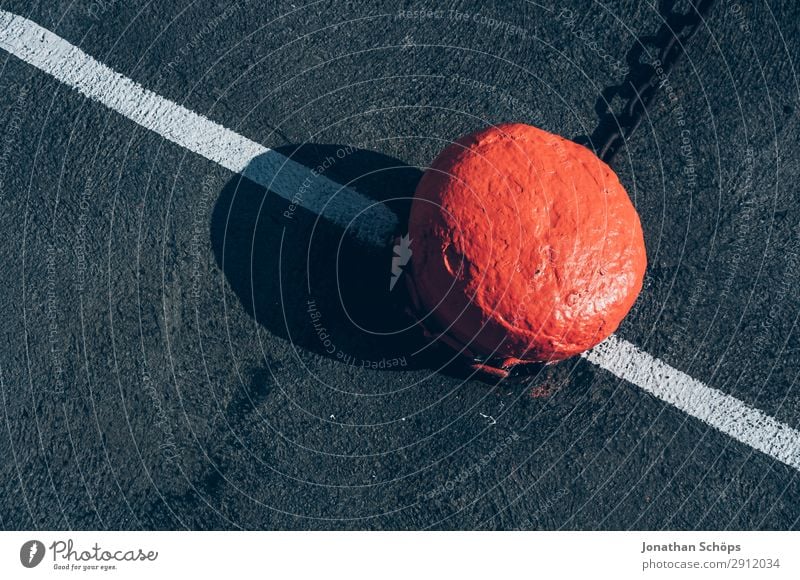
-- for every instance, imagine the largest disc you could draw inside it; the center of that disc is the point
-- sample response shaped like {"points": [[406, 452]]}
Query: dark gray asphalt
{"points": [[160, 367]]}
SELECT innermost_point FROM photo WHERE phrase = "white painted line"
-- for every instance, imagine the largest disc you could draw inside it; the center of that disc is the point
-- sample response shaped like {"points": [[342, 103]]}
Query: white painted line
{"points": [[55, 56], [723, 412], [67, 63]]}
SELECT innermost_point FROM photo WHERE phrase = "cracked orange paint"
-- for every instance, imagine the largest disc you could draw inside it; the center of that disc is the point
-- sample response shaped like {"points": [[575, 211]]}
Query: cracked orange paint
{"points": [[526, 246]]}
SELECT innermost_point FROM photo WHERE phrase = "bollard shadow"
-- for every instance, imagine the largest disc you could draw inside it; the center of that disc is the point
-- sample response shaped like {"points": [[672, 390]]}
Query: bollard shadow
{"points": [[300, 276], [306, 280]]}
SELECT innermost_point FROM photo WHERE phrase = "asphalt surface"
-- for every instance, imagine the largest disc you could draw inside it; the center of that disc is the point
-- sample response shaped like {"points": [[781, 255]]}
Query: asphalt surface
{"points": [[162, 362]]}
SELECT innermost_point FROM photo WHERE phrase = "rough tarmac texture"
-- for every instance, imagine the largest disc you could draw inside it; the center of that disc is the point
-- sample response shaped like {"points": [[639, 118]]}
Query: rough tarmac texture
{"points": [[163, 364]]}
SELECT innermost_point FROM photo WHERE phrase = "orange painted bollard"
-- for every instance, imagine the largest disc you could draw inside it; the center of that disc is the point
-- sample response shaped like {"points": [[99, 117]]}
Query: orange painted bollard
{"points": [[526, 247]]}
